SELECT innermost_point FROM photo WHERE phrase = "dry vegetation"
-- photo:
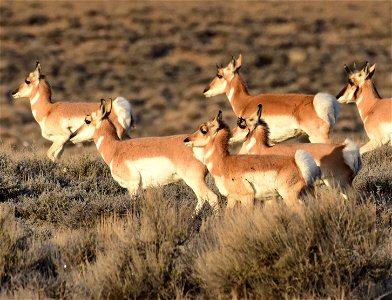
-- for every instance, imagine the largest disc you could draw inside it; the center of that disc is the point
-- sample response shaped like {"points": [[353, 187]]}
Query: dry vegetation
{"points": [[67, 230]]}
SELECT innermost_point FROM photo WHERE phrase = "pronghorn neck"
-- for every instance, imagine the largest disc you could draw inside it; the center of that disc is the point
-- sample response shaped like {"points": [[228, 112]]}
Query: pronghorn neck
{"points": [[40, 100], [237, 93], [105, 138], [258, 138], [367, 98], [217, 151]]}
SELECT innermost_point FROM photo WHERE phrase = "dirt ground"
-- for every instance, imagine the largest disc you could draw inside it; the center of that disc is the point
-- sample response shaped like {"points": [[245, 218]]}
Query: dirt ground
{"points": [[161, 55]]}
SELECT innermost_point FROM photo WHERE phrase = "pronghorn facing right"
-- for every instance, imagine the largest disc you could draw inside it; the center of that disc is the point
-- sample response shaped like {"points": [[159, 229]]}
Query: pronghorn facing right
{"points": [[339, 163], [375, 112], [146, 162], [243, 178], [58, 120], [288, 115]]}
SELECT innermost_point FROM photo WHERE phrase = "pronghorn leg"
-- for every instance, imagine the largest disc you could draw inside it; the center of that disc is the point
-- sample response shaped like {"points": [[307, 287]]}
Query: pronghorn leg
{"points": [[369, 146], [329, 185], [133, 188], [57, 148], [290, 194], [202, 191], [235, 199], [318, 131]]}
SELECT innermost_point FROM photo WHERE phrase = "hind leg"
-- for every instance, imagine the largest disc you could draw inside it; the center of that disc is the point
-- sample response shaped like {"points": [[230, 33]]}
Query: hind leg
{"points": [[55, 151], [318, 131], [234, 200], [202, 191]]}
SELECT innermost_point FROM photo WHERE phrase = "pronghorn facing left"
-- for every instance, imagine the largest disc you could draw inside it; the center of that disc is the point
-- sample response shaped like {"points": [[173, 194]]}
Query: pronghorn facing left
{"points": [[288, 115], [243, 178], [146, 162], [375, 112], [339, 163], [58, 120]]}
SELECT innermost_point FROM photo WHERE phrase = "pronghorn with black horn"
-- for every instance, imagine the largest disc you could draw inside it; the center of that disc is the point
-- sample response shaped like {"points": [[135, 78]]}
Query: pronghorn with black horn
{"points": [[146, 162], [375, 112], [288, 115], [59, 119], [339, 163], [243, 178]]}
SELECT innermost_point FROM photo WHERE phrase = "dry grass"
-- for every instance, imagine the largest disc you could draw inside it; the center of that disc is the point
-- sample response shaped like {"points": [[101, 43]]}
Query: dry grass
{"points": [[61, 241]]}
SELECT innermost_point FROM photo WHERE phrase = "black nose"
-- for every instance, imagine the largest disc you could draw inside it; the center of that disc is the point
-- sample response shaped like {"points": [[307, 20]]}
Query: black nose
{"points": [[187, 140], [13, 92], [205, 90]]}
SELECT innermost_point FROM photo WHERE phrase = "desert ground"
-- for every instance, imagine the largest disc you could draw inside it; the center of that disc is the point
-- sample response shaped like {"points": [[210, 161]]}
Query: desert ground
{"points": [[67, 230]]}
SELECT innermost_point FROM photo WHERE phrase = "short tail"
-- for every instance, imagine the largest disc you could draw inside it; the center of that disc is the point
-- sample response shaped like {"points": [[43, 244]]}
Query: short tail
{"points": [[326, 107], [308, 167], [123, 109], [351, 156]]}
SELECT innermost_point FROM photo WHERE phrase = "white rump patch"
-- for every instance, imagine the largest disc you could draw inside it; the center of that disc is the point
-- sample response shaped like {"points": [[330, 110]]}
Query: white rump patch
{"points": [[123, 110], [351, 156], [326, 107], [308, 167]]}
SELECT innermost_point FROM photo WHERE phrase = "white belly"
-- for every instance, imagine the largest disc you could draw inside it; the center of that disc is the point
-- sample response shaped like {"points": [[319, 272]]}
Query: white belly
{"points": [[219, 182], [154, 172], [282, 128], [263, 183]]}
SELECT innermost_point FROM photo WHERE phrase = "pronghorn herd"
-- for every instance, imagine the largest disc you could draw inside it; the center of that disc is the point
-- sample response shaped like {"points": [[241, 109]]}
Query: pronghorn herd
{"points": [[262, 168]]}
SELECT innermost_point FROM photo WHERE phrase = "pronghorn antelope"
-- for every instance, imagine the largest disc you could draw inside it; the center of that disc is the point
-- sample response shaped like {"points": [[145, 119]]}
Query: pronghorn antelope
{"points": [[146, 162], [375, 112], [243, 178], [288, 115], [339, 163], [58, 120]]}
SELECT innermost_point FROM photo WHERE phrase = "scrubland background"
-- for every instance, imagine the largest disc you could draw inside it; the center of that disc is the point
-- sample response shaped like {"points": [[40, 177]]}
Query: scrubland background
{"points": [[67, 230]]}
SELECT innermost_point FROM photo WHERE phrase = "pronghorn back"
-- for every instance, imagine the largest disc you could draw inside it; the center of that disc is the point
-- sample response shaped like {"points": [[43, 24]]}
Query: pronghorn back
{"points": [[288, 115]]}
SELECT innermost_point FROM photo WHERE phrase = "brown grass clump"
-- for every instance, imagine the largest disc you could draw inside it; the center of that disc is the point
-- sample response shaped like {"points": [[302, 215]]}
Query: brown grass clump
{"points": [[339, 248], [67, 230]]}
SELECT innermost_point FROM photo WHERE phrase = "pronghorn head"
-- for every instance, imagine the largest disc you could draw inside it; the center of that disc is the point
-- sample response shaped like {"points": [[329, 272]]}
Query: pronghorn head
{"points": [[205, 133], [224, 75], [92, 122], [245, 126], [119, 113], [30, 83], [356, 79]]}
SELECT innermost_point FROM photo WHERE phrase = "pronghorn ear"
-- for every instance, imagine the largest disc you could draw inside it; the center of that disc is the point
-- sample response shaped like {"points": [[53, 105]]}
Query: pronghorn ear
{"points": [[109, 105], [371, 71], [103, 108], [37, 70], [238, 63], [348, 70], [259, 110], [218, 117]]}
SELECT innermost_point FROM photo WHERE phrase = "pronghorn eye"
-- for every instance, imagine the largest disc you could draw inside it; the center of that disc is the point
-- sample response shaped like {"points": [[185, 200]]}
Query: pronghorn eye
{"points": [[203, 130], [242, 125], [27, 81], [219, 76], [87, 121]]}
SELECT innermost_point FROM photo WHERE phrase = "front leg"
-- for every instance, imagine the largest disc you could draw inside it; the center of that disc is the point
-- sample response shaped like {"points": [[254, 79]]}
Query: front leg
{"points": [[55, 151], [369, 146]]}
